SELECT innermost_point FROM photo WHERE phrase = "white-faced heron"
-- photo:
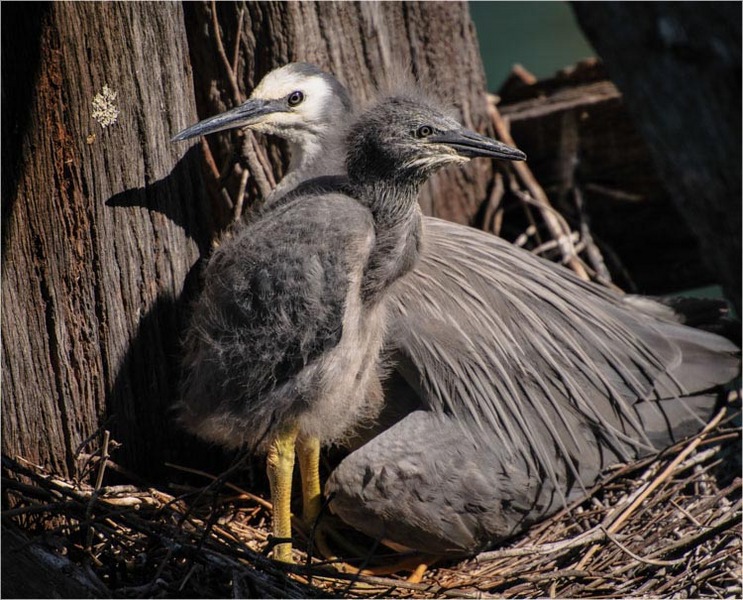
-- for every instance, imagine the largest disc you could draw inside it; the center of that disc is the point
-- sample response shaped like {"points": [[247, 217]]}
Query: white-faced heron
{"points": [[284, 342], [515, 383]]}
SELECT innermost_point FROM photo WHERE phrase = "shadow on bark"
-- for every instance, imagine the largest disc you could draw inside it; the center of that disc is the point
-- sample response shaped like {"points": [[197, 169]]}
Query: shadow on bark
{"points": [[21, 36], [145, 389]]}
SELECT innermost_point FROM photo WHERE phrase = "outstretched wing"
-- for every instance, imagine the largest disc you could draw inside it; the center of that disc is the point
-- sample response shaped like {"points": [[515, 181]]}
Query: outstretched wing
{"points": [[554, 368]]}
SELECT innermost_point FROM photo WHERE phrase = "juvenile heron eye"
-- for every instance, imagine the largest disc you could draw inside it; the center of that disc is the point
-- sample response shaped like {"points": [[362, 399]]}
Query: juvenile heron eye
{"points": [[424, 131], [295, 98]]}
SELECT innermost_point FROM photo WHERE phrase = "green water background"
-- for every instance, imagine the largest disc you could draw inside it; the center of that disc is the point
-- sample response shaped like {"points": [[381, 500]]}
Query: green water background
{"points": [[541, 36]]}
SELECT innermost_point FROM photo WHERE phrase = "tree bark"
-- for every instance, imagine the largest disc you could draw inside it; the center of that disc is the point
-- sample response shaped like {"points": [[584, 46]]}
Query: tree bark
{"points": [[92, 269], [678, 65], [102, 226]]}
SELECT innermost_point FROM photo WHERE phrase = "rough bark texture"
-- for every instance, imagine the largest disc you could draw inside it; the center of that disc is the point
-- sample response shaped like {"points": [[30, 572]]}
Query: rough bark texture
{"points": [[359, 43], [102, 227], [92, 268], [579, 138], [678, 65]]}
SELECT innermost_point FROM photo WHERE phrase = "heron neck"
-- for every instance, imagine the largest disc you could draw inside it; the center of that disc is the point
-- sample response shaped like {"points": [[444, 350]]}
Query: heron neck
{"points": [[310, 158], [398, 230]]}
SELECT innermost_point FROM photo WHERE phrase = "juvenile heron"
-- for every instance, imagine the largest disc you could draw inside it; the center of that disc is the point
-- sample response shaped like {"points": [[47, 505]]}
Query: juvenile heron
{"points": [[515, 382], [284, 342]]}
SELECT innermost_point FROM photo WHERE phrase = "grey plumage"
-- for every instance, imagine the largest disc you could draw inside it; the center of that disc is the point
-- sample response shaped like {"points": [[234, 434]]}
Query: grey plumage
{"points": [[265, 337], [282, 352], [522, 382], [519, 423]]}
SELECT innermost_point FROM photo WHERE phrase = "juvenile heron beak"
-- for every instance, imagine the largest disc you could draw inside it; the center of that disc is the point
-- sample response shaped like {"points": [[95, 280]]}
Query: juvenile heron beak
{"points": [[248, 113], [470, 144]]}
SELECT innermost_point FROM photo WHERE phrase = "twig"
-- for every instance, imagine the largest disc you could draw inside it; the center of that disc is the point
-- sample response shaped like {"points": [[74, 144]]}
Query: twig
{"points": [[552, 244], [493, 205], [523, 75], [513, 185], [433, 590], [257, 499], [236, 52], [620, 195], [250, 151], [555, 227], [96, 489], [104, 460], [559, 574], [217, 552], [521, 241], [732, 522], [209, 158], [92, 436], [595, 535], [617, 522], [260, 152], [34, 508], [647, 561], [250, 148], [595, 257], [563, 239], [236, 95], [237, 214], [686, 513]]}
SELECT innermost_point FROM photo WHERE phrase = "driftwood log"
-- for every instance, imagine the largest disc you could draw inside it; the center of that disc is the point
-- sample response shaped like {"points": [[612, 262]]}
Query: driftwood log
{"points": [[582, 145]]}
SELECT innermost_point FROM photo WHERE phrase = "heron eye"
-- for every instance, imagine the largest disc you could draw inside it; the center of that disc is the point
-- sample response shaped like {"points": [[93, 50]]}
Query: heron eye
{"points": [[295, 98], [424, 131]]}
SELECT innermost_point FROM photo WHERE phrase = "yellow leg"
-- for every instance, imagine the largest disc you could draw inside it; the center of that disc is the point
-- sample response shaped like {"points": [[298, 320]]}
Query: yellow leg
{"points": [[417, 575], [308, 451], [280, 467]]}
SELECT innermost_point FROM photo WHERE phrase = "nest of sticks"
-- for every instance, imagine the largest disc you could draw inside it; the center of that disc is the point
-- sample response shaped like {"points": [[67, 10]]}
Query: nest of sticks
{"points": [[669, 526]]}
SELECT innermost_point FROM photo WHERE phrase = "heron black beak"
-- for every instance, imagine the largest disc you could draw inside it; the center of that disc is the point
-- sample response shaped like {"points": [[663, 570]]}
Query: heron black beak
{"points": [[470, 144], [248, 113]]}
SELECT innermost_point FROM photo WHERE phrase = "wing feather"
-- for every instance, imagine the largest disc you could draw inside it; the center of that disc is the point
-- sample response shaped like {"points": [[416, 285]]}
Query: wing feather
{"points": [[515, 346]]}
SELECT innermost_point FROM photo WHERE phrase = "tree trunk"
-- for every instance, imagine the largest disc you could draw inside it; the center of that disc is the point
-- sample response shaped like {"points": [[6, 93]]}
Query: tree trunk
{"points": [[102, 226], [92, 270], [678, 65]]}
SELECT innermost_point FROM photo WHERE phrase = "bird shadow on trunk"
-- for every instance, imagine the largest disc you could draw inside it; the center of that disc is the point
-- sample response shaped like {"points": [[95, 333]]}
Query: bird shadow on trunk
{"points": [[140, 401]]}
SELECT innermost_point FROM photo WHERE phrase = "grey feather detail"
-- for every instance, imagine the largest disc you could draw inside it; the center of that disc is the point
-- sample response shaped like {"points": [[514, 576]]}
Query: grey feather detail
{"points": [[531, 380], [422, 485], [518, 318]]}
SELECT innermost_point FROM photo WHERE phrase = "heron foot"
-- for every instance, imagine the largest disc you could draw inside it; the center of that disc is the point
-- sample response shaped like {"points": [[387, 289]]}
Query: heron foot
{"points": [[407, 561], [280, 465]]}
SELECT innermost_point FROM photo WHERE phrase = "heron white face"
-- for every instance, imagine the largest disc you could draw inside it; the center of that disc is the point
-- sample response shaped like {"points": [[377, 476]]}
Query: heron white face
{"points": [[309, 105], [297, 102]]}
